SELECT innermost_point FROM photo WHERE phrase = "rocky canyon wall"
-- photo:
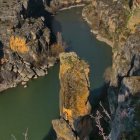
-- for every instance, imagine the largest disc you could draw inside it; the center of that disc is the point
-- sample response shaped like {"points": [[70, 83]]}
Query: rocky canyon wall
{"points": [[118, 24], [28, 47]]}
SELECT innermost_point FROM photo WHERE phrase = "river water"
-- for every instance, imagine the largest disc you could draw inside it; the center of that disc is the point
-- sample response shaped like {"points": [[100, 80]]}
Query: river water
{"points": [[35, 106]]}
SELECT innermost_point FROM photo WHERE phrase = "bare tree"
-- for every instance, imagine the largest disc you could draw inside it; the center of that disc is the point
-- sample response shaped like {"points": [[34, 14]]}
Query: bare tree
{"points": [[97, 120], [60, 40], [13, 137], [25, 134]]}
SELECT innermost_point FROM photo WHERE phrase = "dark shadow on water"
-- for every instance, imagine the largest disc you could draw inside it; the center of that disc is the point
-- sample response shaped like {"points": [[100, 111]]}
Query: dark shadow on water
{"points": [[51, 135], [97, 95], [57, 27], [70, 47]]}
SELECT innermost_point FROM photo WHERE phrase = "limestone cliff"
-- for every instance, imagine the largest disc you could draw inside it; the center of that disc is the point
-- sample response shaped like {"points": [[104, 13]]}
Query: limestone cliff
{"points": [[75, 122], [27, 46], [118, 24]]}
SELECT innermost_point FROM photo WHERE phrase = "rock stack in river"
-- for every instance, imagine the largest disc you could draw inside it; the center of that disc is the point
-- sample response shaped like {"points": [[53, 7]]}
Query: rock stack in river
{"points": [[75, 122]]}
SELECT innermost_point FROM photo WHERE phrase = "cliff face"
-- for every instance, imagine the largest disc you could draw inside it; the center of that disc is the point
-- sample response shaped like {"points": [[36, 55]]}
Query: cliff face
{"points": [[26, 46], [75, 122], [117, 23]]}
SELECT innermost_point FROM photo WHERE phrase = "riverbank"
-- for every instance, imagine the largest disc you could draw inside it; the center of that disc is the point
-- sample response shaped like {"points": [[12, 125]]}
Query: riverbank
{"points": [[96, 32], [124, 74], [27, 45], [78, 5], [101, 38]]}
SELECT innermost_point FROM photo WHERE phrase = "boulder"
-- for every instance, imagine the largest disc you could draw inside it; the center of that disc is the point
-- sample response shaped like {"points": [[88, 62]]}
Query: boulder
{"points": [[25, 86], [39, 72], [23, 83], [26, 79], [63, 129]]}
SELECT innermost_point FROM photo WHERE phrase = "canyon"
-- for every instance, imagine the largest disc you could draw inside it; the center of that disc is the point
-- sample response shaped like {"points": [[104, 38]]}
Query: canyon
{"points": [[25, 39]]}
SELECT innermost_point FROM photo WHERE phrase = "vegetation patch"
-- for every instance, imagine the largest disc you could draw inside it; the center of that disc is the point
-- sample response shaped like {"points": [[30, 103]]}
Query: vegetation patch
{"points": [[56, 49]]}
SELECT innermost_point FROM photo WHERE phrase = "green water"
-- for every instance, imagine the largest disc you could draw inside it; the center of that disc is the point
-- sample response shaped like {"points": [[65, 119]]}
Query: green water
{"points": [[35, 106]]}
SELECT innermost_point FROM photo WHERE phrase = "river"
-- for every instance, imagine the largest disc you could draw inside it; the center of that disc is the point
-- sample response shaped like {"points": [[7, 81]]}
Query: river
{"points": [[38, 104]]}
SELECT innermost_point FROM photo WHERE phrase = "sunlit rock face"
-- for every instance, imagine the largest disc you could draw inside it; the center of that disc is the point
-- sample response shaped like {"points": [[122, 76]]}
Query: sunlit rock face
{"points": [[18, 44], [74, 92]]}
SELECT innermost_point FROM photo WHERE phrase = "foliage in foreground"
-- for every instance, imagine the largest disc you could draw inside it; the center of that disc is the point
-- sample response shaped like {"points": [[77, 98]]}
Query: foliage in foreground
{"points": [[25, 135]]}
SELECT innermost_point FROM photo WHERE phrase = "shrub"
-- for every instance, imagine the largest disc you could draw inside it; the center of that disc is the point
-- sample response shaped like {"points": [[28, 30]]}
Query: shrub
{"points": [[41, 59], [56, 49], [56, 8], [107, 74], [87, 2]]}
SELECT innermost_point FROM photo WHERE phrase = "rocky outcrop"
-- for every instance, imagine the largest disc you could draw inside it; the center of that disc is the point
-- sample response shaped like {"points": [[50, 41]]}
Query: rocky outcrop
{"points": [[26, 46], [126, 121], [75, 122], [119, 22]]}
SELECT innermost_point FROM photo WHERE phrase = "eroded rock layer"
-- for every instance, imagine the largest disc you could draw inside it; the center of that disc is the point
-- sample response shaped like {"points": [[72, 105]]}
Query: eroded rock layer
{"points": [[74, 105]]}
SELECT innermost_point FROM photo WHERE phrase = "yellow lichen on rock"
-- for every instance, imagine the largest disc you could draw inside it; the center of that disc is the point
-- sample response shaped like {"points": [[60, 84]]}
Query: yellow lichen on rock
{"points": [[112, 26], [78, 1], [18, 44], [75, 122], [75, 89]]}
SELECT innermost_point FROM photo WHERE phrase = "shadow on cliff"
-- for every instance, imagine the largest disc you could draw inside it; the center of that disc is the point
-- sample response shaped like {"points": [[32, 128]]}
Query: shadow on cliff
{"points": [[1, 51], [51, 135], [131, 3], [70, 47], [47, 2], [56, 26], [98, 94], [36, 9], [1, 56]]}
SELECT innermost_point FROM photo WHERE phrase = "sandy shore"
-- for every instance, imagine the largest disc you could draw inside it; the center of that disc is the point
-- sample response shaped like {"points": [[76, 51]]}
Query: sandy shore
{"points": [[99, 37], [72, 7], [94, 31]]}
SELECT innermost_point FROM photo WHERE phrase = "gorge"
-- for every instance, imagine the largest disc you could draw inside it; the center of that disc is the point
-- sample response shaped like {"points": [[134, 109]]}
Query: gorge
{"points": [[37, 105], [116, 22]]}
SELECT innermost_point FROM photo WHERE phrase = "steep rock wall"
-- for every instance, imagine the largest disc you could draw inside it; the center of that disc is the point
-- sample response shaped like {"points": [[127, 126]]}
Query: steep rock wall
{"points": [[117, 23], [25, 42]]}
